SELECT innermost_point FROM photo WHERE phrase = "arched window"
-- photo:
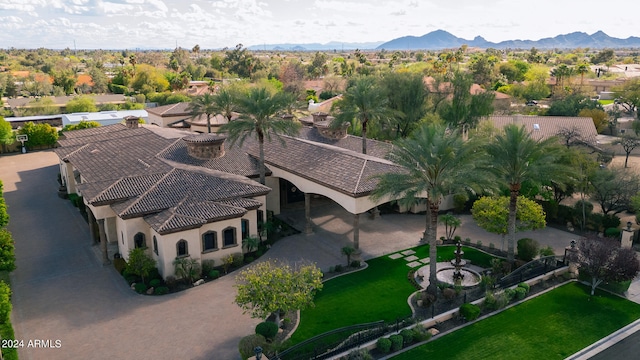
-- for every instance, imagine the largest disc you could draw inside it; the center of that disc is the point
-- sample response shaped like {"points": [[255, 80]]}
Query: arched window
{"points": [[182, 248], [209, 241], [155, 245], [139, 240], [245, 228], [229, 237]]}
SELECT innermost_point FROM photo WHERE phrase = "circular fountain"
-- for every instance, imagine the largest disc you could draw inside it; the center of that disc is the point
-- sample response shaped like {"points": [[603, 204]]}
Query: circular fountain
{"points": [[455, 274]]}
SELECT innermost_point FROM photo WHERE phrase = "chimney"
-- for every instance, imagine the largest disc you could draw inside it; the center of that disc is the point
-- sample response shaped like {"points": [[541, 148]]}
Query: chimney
{"points": [[131, 122], [319, 117], [205, 146]]}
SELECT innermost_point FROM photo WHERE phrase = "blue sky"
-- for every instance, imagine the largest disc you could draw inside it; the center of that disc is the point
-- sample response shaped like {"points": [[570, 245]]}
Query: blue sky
{"points": [[129, 24]]}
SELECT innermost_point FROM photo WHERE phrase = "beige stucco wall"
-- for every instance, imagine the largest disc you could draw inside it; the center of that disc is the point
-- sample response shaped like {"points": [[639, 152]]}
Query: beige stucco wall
{"points": [[164, 121], [273, 197], [126, 230], [351, 204]]}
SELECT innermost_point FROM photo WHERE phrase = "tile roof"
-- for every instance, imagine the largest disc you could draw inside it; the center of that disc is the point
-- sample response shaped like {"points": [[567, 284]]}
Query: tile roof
{"points": [[94, 131], [96, 136], [192, 214], [178, 185], [177, 109], [235, 160], [346, 171], [354, 143], [548, 126]]}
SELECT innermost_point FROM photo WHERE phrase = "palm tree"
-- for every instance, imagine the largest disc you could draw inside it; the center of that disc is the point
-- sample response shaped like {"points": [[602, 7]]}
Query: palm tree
{"points": [[514, 158], [365, 102], [226, 102], [259, 109], [435, 162], [582, 69], [203, 104]]}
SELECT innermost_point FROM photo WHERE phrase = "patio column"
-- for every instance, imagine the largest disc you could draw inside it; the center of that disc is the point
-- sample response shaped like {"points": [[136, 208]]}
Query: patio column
{"points": [[356, 236], [92, 222], [308, 226], [103, 243]]}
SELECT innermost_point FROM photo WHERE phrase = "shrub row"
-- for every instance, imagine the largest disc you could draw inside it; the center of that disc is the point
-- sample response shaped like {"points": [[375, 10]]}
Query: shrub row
{"points": [[406, 337]]}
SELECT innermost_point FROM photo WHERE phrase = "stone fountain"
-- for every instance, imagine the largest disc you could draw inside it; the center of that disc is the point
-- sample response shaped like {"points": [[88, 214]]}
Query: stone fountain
{"points": [[458, 263]]}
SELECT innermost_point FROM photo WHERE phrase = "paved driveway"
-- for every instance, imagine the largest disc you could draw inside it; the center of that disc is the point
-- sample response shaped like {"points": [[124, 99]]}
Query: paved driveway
{"points": [[62, 292]]}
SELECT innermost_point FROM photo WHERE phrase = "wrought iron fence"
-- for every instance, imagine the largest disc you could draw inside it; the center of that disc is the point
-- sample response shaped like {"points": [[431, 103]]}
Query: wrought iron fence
{"points": [[531, 269]]}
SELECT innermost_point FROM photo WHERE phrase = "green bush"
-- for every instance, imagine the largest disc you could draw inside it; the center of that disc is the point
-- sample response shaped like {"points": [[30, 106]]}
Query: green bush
{"points": [[248, 259], [546, 251], [449, 294], [509, 294], [5, 302], [120, 265], [383, 345], [525, 286], [588, 207], [612, 232], [214, 274], [7, 253], [407, 336], [355, 264], [396, 342], [360, 354], [238, 260], [155, 283], [520, 293], [420, 333], [495, 301], [527, 249], [460, 202], [268, 329], [131, 279], [207, 266], [250, 342], [470, 311], [140, 288], [161, 290], [610, 221], [338, 268]]}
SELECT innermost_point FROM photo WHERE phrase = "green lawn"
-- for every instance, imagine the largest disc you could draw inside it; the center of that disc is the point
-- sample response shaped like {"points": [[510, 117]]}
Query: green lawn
{"points": [[379, 292], [605, 102], [552, 326]]}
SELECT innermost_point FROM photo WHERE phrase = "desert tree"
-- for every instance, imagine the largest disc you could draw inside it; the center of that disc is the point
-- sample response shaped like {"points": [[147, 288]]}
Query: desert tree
{"points": [[628, 143], [604, 260], [613, 188]]}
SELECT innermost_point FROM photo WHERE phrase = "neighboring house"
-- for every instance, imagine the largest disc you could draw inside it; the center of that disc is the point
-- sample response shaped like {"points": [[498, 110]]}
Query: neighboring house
{"points": [[19, 121], [179, 117], [578, 130], [103, 117], [183, 194], [61, 101], [501, 101], [196, 87]]}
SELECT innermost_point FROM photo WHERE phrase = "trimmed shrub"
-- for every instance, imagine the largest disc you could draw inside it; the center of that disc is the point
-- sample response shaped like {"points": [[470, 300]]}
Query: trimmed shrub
{"points": [[355, 264], [120, 265], [610, 221], [360, 354], [525, 286], [268, 329], [612, 232], [207, 266], [546, 251], [420, 333], [487, 282], [470, 311], [214, 274], [407, 336], [467, 241], [238, 260], [457, 238], [338, 268], [449, 294], [495, 301], [427, 299], [161, 290], [250, 342], [154, 283], [520, 293], [527, 249], [248, 259], [509, 294], [396, 342], [384, 345], [140, 288]]}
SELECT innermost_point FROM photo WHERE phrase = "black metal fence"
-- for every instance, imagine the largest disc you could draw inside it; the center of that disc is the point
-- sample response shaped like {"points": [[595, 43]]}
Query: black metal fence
{"points": [[530, 270], [340, 340]]}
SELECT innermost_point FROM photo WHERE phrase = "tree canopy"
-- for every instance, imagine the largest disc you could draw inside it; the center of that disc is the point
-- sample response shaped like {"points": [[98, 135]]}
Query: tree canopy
{"points": [[81, 104], [270, 287]]}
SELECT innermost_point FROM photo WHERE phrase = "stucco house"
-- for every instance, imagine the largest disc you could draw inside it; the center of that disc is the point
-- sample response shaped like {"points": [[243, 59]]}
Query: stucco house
{"points": [[181, 194], [178, 116]]}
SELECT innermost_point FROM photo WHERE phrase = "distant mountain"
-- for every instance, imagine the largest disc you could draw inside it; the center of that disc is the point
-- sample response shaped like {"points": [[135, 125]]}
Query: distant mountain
{"points": [[441, 39], [334, 45]]}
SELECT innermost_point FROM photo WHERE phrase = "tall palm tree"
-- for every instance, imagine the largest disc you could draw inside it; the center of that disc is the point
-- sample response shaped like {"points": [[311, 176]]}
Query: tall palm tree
{"points": [[365, 102], [226, 102], [203, 104], [435, 162], [259, 109], [582, 69], [515, 157]]}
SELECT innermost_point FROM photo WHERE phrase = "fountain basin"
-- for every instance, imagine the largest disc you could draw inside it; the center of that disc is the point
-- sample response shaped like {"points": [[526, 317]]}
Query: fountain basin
{"points": [[470, 279]]}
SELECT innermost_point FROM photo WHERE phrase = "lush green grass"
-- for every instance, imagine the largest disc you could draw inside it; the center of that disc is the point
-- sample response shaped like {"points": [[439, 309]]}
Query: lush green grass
{"points": [[605, 102], [379, 292], [552, 326]]}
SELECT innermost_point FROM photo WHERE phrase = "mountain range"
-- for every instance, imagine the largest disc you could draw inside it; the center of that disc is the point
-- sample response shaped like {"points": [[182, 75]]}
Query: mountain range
{"points": [[441, 39]]}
